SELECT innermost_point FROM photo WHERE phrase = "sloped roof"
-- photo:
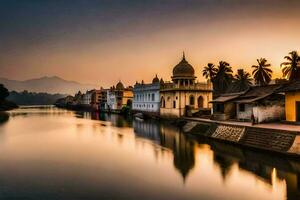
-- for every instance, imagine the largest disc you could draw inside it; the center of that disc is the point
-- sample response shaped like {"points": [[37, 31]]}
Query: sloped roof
{"points": [[256, 93], [227, 97], [290, 87]]}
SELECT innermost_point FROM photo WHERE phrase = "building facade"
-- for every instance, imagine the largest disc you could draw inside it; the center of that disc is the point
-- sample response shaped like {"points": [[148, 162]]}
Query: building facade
{"points": [[119, 97], [292, 101], [87, 98], [183, 95], [95, 99], [147, 97], [258, 103]]}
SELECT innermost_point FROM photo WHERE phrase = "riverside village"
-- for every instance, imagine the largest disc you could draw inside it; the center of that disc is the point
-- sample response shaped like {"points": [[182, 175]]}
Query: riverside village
{"points": [[258, 112]]}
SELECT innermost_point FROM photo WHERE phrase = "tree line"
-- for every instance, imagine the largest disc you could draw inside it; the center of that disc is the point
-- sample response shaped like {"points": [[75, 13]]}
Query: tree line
{"points": [[224, 81]]}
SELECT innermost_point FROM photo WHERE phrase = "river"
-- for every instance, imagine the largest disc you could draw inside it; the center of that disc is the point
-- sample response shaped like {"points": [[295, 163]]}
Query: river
{"points": [[51, 153]]}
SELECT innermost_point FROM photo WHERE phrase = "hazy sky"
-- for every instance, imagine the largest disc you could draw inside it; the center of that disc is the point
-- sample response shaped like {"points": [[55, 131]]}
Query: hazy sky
{"points": [[103, 41]]}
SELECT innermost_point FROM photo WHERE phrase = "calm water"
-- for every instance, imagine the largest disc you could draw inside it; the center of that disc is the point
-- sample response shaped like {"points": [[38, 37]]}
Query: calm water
{"points": [[48, 153]]}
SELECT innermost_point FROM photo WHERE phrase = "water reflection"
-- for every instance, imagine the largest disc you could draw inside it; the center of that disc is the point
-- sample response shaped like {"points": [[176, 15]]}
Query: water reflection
{"points": [[93, 155], [265, 166], [3, 117]]}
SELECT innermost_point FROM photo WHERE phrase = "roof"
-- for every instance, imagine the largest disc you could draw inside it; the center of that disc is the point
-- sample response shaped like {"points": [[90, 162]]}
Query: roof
{"points": [[290, 87], [256, 93], [183, 69], [227, 97], [155, 79]]}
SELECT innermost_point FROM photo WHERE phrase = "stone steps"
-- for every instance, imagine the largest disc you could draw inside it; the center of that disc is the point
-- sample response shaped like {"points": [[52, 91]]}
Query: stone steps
{"points": [[268, 139]]}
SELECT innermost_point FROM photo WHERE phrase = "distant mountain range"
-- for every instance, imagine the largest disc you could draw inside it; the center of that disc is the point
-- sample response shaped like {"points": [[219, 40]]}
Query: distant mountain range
{"points": [[46, 84]]}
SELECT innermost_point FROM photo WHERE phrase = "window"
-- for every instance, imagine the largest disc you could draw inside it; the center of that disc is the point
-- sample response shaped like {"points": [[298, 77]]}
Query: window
{"points": [[220, 108], [162, 102], [192, 100], [242, 107], [200, 102], [174, 104], [153, 97]]}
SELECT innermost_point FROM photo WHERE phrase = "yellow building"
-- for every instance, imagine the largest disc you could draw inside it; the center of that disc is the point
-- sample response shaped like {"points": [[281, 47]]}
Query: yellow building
{"points": [[127, 97], [292, 101]]}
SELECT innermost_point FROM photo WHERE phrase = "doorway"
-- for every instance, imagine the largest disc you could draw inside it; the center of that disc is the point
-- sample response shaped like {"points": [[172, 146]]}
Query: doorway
{"points": [[298, 111]]}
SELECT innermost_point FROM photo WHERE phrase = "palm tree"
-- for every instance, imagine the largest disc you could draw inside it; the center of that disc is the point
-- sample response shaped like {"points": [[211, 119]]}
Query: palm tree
{"points": [[291, 68], [223, 77], [262, 73], [209, 71], [242, 80]]}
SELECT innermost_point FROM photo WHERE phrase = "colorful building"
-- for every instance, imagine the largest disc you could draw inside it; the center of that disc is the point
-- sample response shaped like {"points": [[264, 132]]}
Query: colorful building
{"points": [[95, 99], [119, 97], [292, 101]]}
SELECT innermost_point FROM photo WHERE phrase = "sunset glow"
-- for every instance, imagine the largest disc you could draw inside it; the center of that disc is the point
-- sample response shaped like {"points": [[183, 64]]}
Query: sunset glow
{"points": [[83, 39]]}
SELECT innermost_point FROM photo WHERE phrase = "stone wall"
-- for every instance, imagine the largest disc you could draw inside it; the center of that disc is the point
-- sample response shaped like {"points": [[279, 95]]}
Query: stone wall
{"points": [[287, 142], [229, 133]]}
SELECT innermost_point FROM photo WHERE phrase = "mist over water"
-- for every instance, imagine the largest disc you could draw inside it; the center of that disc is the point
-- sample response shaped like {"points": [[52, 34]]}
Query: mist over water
{"points": [[50, 153]]}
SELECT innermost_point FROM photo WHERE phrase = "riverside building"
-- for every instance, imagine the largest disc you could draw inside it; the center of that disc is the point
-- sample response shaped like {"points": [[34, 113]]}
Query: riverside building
{"points": [[146, 97], [119, 97], [183, 96]]}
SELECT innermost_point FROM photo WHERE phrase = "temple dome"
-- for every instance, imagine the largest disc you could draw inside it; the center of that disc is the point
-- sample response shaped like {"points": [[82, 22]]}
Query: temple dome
{"points": [[155, 79], [183, 69], [120, 86]]}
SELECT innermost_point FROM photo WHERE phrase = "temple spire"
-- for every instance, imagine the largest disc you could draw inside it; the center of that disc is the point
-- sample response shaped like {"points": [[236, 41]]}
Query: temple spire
{"points": [[183, 56]]}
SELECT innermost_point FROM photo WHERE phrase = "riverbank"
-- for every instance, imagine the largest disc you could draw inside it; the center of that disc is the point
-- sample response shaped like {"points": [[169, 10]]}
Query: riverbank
{"points": [[7, 105], [280, 139]]}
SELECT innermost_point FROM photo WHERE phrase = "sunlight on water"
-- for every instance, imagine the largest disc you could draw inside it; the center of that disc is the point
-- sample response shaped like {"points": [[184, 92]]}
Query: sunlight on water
{"points": [[49, 153]]}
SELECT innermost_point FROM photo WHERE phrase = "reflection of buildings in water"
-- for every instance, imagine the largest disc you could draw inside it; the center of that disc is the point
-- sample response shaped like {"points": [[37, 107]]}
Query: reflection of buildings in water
{"points": [[268, 168], [224, 163], [171, 138], [147, 129], [116, 120]]}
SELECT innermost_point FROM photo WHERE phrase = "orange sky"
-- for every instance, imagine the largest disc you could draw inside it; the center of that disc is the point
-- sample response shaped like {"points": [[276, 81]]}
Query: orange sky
{"points": [[143, 44]]}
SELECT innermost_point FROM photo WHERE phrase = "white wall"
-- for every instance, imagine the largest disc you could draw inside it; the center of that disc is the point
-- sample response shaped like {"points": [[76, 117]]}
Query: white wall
{"points": [[244, 115], [142, 100], [269, 113]]}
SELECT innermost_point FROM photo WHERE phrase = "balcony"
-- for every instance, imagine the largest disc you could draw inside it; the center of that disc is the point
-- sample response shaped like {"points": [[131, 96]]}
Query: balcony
{"points": [[196, 86]]}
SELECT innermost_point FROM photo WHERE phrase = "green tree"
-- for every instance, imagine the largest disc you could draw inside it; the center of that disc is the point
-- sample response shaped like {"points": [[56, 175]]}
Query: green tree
{"points": [[262, 73], [291, 68], [223, 78], [3, 92], [242, 80], [209, 71]]}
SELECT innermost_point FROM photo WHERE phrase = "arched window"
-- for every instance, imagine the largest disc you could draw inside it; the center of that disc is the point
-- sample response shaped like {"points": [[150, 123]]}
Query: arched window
{"points": [[192, 100], [200, 102], [162, 102]]}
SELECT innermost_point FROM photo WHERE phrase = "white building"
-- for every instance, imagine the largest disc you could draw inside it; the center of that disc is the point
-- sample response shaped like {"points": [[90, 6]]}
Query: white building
{"points": [[146, 97], [111, 100], [87, 98]]}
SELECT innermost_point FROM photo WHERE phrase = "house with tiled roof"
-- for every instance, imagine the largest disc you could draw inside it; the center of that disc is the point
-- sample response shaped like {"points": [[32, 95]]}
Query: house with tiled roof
{"points": [[264, 103]]}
